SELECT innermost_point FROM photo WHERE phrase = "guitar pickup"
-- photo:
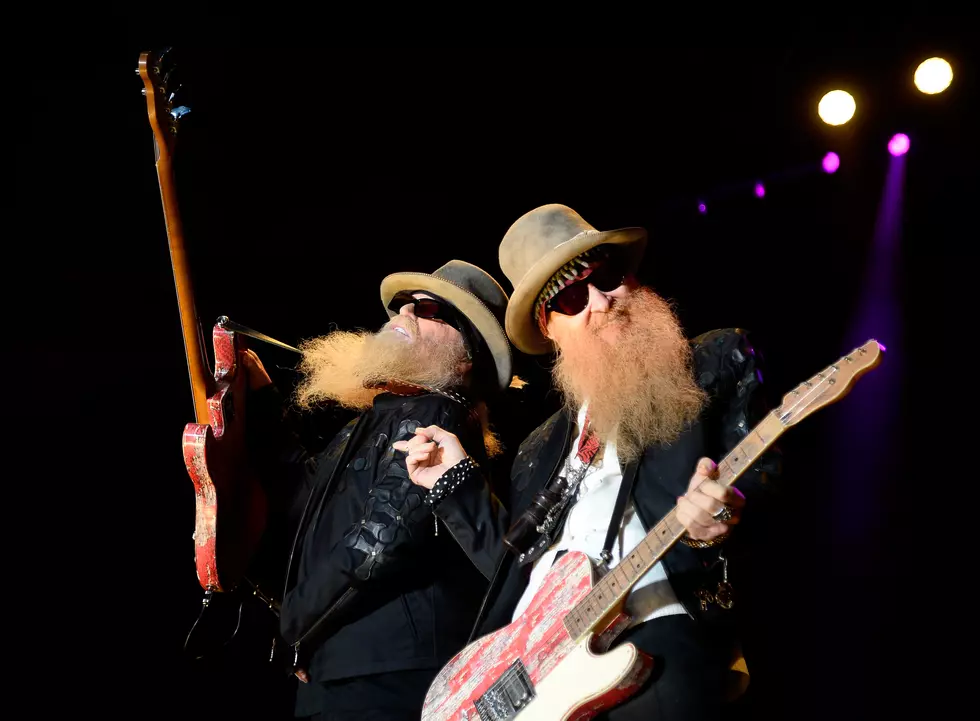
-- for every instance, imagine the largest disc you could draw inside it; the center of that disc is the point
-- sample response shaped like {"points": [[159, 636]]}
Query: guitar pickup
{"points": [[508, 695]]}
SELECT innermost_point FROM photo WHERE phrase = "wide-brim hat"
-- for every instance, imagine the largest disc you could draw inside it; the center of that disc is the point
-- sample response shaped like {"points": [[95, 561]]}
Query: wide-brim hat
{"points": [[474, 293], [535, 247]]}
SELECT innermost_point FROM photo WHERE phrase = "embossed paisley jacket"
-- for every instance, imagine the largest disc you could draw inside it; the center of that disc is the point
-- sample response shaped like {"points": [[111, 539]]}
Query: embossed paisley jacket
{"points": [[377, 579], [728, 368]]}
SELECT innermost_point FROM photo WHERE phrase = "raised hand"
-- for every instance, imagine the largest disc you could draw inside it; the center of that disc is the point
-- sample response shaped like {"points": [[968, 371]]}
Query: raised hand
{"points": [[430, 454]]}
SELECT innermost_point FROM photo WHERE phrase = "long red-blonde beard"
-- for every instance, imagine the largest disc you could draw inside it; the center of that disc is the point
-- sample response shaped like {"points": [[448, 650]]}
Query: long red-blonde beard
{"points": [[351, 367], [635, 368]]}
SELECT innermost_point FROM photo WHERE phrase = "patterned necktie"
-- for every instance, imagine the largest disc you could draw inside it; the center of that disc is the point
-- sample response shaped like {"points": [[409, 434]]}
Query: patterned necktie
{"points": [[588, 442]]}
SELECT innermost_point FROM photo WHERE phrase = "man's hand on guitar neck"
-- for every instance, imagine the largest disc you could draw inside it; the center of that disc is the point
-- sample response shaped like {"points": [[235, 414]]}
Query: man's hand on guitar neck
{"points": [[257, 375], [702, 508]]}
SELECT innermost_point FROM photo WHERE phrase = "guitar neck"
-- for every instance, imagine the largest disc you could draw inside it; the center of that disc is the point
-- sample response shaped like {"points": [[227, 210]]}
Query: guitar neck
{"points": [[200, 378], [159, 102], [612, 588]]}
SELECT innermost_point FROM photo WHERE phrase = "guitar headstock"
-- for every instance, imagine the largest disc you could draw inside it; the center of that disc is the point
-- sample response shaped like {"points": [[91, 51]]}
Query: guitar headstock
{"points": [[165, 101], [829, 385]]}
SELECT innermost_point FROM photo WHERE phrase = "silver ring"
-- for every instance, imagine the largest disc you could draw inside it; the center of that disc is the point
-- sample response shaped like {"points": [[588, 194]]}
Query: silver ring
{"points": [[723, 514]]}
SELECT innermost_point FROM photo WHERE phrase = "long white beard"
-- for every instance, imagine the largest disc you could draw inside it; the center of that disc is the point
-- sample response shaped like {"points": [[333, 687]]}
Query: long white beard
{"points": [[351, 367]]}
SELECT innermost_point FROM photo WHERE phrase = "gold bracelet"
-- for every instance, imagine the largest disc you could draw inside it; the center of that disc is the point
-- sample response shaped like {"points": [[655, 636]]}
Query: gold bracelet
{"points": [[696, 543]]}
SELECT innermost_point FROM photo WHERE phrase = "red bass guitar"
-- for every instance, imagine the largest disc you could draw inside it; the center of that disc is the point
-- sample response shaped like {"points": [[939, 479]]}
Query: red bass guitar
{"points": [[230, 503]]}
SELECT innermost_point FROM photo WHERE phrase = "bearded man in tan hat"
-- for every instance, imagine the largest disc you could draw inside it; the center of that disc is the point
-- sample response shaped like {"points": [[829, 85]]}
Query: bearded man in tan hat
{"points": [[647, 413], [385, 577]]}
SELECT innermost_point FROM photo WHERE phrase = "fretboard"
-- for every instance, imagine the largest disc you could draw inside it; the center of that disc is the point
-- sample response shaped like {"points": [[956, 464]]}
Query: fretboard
{"points": [[616, 584]]}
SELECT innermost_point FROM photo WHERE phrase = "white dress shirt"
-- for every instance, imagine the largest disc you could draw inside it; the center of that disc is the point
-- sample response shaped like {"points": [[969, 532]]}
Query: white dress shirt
{"points": [[585, 530]]}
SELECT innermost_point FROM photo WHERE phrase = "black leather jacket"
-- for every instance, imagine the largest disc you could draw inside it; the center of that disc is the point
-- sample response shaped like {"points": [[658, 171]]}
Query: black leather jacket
{"points": [[379, 580], [728, 368]]}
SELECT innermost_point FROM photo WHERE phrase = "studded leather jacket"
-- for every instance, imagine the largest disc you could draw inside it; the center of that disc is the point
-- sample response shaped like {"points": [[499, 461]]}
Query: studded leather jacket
{"points": [[728, 368], [382, 575]]}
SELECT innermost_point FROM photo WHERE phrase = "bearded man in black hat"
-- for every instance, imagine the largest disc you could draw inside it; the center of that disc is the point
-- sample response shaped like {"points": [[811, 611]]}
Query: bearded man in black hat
{"points": [[385, 577], [648, 413]]}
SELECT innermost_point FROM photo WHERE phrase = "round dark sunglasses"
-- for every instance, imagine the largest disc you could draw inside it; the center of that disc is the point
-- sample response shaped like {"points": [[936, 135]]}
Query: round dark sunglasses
{"points": [[426, 308], [573, 299]]}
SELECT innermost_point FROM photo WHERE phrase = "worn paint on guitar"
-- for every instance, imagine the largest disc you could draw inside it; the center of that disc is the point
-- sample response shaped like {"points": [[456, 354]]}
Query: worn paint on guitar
{"points": [[226, 491], [538, 637]]}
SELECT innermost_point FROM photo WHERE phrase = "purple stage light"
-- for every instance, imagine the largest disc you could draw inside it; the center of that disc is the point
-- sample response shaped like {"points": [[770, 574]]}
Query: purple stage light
{"points": [[760, 190], [702, 208], [831, 161], [899, 144]]}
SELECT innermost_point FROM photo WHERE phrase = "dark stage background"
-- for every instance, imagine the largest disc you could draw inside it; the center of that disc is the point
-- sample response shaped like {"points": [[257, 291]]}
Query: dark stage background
{"points": [[306, 176]]}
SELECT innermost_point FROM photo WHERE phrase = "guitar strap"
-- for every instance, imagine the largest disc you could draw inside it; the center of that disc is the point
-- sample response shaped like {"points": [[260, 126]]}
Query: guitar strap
{"points": [[588, 446], [625, 487]]}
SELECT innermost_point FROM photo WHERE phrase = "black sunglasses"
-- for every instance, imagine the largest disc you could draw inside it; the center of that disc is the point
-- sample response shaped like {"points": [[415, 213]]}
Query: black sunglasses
{"points": [[427, 308], [572, 299]]}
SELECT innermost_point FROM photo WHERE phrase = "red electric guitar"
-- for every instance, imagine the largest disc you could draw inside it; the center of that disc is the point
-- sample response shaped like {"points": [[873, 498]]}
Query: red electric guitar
{"points": [[230, 504], [550, 664]]}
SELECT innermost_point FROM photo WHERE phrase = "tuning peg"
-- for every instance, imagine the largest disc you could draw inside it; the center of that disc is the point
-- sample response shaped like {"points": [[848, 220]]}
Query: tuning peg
{"points": [[143, 91], [137, 69]]}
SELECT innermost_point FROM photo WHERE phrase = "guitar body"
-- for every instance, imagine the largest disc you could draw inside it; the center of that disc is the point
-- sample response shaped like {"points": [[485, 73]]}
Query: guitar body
{"points": [[533, 669], [230, 503]]}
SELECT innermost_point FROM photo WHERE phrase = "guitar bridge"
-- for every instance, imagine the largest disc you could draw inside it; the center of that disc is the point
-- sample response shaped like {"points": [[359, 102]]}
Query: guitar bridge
{"points": [[507, 696]]}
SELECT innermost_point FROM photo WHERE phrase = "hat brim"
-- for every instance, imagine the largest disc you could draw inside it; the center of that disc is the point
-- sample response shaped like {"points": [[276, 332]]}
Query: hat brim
{"points": [[466, 303], [521, 328]]}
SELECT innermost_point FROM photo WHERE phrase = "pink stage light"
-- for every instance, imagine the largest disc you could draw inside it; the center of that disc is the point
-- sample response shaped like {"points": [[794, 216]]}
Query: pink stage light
{"points": [[831, 161], [899, 144]]}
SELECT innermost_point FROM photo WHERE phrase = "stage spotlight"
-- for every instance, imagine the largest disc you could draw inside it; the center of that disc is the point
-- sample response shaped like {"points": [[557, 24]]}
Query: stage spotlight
{"points": [[760, 190], [702, 208], [899, 144], [831, 161], [933, 76], [836, 107]]}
